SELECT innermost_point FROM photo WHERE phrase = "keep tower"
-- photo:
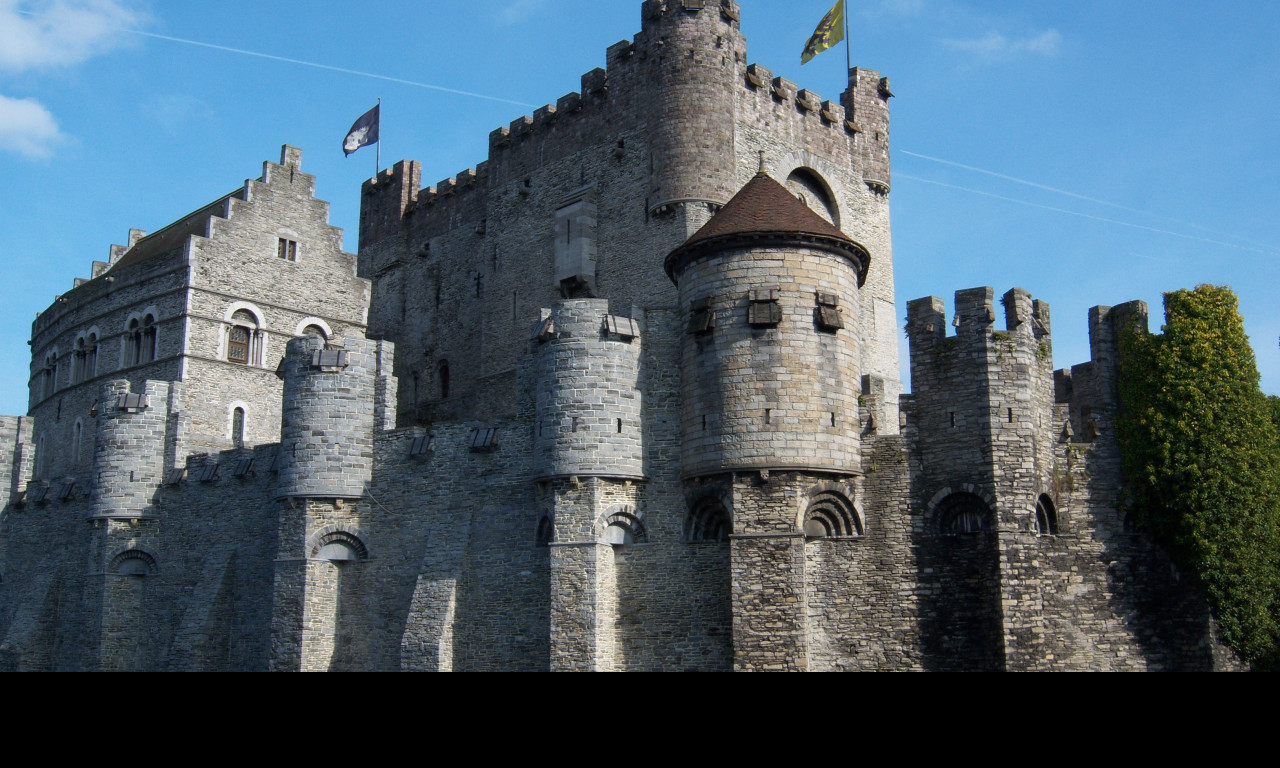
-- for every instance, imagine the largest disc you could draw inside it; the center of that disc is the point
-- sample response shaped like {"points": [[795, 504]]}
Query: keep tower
{"points": [[695, 56]]}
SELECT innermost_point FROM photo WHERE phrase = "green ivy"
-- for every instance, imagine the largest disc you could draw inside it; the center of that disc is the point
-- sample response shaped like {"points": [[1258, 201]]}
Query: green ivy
{"points": [[1201, 449]]}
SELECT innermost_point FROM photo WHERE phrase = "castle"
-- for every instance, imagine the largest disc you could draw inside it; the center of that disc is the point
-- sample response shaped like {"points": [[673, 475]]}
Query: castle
{"points": [[624, 396]]}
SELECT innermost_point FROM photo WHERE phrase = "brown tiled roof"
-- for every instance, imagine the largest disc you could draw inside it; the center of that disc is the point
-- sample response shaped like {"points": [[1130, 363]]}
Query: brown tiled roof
{"points": [[764, 209]]}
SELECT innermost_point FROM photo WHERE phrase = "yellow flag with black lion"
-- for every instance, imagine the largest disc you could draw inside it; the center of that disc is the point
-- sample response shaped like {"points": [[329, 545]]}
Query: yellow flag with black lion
{"points": [[829, 33]]}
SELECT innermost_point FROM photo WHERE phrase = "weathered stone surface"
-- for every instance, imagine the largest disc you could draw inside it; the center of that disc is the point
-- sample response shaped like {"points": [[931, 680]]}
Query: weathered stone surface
{"points": [[544, 452]]}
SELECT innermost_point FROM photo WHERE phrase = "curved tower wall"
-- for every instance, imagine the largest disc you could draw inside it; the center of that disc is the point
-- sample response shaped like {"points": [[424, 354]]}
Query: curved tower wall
{"points": [[780, 397], [696, 59], [588, 396], [329, 418], [129, 450]]}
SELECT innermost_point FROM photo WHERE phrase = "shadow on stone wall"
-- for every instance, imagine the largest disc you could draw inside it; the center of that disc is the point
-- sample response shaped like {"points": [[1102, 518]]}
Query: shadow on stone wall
{"points": [[958, 581]]}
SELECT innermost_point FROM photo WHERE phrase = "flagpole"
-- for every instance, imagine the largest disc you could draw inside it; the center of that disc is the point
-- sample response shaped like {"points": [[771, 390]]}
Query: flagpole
{"points": [[378, 155], [848, 57]]}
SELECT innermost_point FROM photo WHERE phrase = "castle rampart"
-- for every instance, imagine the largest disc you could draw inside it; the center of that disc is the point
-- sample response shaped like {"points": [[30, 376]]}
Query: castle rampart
{"points": [[624, 396]]}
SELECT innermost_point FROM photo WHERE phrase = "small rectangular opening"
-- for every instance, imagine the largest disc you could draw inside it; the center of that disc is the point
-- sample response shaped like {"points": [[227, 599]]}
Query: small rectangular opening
{"points": [[768, 415], [619, 426], [287, 249]]}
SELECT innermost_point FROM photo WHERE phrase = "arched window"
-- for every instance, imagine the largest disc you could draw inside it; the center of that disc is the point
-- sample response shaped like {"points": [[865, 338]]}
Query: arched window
{"points": [[76, 433], [91, 357], [546, 532], [132, 343], [148, 341], [1046, 517], [315, 330], [443, 375], [79, 362], [237, 427], [133, 562], [708, 521], [49, 377], [243, 338], [830, 515], [340, 547], [963, 513], [624, 528], [812, 190]]}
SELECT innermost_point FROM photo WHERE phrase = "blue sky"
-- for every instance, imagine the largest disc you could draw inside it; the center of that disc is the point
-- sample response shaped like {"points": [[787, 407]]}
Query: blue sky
{"points": [[1090, 152]]}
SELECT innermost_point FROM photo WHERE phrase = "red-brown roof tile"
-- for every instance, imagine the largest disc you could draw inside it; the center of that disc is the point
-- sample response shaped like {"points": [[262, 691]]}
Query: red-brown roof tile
{"points": [[763, 208]]}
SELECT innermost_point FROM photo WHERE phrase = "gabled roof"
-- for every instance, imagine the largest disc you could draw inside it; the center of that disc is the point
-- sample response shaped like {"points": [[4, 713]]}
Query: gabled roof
{"points": [[765, 210]]}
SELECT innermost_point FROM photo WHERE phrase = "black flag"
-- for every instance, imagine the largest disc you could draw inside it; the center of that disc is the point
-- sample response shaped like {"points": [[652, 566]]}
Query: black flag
{"points": [[363, 133]]}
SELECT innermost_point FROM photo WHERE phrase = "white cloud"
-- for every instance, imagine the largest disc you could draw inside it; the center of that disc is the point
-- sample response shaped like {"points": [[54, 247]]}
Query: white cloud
{"points": [[56, 33], [996, 47], [519, 10], [27, 128]]}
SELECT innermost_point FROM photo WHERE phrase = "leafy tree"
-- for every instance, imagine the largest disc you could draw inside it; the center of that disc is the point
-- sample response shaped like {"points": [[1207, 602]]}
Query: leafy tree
{"points": [[1201, 449]]}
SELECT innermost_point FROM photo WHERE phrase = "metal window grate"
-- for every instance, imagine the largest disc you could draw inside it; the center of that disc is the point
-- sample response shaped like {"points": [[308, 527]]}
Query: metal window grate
{"points": [[175, 476], [208, 473], [274, 466], [19, 498], [67, 491], [422, 446], [38, 494], [484, 439], [243, 467]]}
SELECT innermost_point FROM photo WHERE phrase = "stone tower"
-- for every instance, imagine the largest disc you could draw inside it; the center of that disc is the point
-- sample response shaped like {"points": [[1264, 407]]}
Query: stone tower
{"points": [[771, 377], [335, 403]]}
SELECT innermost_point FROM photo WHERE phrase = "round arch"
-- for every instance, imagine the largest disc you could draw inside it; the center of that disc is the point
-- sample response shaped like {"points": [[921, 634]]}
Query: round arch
{"points": [[621, 526], [134, 562], [338, 543], [317, 322]]}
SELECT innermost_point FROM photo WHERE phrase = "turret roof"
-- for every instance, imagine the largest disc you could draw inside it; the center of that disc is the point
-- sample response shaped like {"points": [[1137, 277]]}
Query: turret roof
{"points": [[764, 209]]}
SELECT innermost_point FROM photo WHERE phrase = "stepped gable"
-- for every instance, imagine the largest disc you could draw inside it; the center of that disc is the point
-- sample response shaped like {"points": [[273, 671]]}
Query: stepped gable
{"points": [[174, 235], [765, 210]]}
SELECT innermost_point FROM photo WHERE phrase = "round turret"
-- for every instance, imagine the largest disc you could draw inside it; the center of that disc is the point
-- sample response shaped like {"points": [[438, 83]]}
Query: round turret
{"points": [[770, 360], [695, 56], [128, 456], [326, 431], [588, 400]]}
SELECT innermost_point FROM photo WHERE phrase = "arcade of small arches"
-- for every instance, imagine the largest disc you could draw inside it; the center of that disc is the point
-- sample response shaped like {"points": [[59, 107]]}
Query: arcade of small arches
{"points": [[967, 512]]}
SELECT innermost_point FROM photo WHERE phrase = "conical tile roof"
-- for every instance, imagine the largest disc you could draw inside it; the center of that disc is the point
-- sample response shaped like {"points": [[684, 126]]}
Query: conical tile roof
{"points": [[765, 210]]}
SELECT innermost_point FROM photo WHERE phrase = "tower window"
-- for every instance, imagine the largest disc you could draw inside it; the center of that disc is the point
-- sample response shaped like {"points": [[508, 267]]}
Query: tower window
{"points": [[287, 249], [244, 338], [765, 310], [148, 342], [238, 345], [701, 317], [237, 428], [1046, 517], [827, 312], [443, 375]]}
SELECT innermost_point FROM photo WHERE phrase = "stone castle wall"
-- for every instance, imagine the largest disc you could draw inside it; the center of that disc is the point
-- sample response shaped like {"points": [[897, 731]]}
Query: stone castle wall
{"points": [[510, 470]]}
